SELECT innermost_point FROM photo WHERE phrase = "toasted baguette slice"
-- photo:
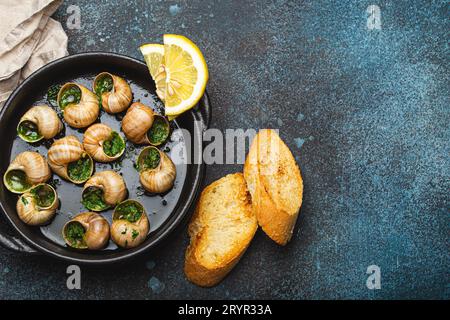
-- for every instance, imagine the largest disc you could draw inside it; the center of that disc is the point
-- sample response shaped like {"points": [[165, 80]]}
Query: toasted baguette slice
{"points": [[275, 184], [221, 229]]}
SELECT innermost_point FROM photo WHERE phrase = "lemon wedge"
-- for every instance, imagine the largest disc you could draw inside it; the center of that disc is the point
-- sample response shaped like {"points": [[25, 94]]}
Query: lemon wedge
{"points": [[154, 58], [179, 71]]}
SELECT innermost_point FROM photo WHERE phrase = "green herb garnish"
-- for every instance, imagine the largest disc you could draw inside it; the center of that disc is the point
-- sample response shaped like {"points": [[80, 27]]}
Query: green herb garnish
{"points": [[134, 234], [44, 196], [92, 199], [24, 200], [81, 169], [149, 159], [159, 131], [71, 95], [74, 232], [52, 95], [29, 131], [114, 145], [103, 84], [17, 180], [129, 211]]}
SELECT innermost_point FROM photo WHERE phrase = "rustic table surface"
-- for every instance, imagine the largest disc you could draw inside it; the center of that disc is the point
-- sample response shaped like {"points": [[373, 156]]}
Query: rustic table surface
{"points": [[365, 112]]}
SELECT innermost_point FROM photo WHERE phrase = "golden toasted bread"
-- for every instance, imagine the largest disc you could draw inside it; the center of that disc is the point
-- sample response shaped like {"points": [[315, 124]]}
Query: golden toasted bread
{"points": [[275, 184], [220, 231]]}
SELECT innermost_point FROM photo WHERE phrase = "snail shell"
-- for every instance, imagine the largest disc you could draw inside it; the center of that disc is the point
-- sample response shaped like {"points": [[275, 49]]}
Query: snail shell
{"points": [[152, 135], [32, 208], [137, 121], [29, 168], [83, 113], [126, 233], [112, 186], [65, 151], [95, 231], [46, 121], [120, 96], [159, 179], [94, 138]]}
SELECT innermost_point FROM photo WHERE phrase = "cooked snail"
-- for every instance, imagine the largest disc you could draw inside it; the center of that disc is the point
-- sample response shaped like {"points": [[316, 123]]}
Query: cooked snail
{"points": [[142, 125], [103, 191], [68, 159], [38, 205], [137, 121], [156, 170], [102, 143], [80, 106], [159, 131], [114, 92], [40, 122], [130, 224], [87, 230], [29, 168]]}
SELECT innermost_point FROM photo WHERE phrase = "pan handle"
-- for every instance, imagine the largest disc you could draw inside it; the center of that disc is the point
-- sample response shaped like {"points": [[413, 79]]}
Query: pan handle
{"points": [[15, 244]]}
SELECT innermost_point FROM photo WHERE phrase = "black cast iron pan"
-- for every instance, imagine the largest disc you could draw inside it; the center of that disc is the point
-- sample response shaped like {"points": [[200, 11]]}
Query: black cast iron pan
{"points": [[165, 211]]}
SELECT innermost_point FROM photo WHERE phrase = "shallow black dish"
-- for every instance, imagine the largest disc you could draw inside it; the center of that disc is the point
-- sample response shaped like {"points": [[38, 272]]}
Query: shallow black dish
{"points": [[165, 211]]}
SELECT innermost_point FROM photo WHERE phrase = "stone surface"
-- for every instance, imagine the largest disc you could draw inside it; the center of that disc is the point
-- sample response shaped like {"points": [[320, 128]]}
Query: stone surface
{"points": [[365, 112]]}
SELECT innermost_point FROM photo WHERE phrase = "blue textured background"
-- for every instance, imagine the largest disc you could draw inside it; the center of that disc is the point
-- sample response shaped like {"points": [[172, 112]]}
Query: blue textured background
{"points": [[366, 114]]}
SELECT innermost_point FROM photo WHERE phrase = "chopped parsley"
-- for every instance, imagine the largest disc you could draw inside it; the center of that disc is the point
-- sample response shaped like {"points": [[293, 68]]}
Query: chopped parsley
{"points": [[130, 211], [103, 84], [24, 200], [149, 159], [75, 232], [114, 145], [71, 95], [17, 180], [29, 131], [81, 169], [52, 95], [159, 131], [92, 199], [44, 195]]}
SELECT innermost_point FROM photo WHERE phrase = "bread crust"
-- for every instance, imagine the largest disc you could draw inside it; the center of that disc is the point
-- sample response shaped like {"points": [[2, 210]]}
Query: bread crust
{"points": [[276, 217], [196, 271]]}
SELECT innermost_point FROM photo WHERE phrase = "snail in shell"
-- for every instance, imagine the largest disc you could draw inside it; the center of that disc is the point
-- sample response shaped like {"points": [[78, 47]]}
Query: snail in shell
{"points": [[136, 122], [79, 105], [38, 205], [113, 91], [102, 143], [88, 230], [104, 190], [159, 131], [142, 126], [69, 160], [40, 122], [130, 224], [28, 169], [157, 172]]}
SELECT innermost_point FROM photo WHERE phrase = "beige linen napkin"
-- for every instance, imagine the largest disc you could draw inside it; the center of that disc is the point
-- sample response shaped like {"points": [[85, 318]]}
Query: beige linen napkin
{"points": [[29, 39]]}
